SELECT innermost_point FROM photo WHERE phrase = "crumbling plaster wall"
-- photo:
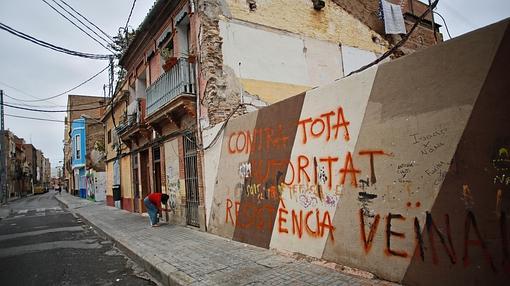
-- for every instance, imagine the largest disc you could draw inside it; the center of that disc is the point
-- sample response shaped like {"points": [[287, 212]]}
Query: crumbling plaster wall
{"points": [[332, 23], [219, 78], [216, 98]]}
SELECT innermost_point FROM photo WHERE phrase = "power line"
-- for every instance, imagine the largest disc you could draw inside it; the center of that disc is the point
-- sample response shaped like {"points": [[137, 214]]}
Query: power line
{"points": [[51, 46], [17, 89], [85, 25], [74, 24], [445, 25], [104, 33], [43, 106], [49, 116], [35, 118], [65, 92], [129, 17], [458, 14], [17, 104], [400, 43], [52, 111]]}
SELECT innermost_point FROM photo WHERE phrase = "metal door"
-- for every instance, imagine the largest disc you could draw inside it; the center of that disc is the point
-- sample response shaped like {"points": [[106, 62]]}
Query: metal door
{"points": [[191, 179]]}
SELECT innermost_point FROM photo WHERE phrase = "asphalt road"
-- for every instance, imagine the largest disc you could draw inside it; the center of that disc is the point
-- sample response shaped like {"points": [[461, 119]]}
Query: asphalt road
{"points": [[42, 243]]}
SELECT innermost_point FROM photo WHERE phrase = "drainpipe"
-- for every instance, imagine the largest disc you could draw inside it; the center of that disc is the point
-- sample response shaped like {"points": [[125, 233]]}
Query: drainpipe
{"points": [[200, 150]]}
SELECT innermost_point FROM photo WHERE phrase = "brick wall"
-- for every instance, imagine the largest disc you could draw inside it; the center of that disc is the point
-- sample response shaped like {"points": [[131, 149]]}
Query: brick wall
{"points": [[367, 12], [78, 102], [218, 104], [84, 102]]}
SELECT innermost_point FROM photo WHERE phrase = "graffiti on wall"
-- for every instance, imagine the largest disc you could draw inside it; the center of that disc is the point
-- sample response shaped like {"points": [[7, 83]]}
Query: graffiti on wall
{"points": [[173, 187], [501, 163], [438, 241], [396, 176], [96, 185], [314, 182]]}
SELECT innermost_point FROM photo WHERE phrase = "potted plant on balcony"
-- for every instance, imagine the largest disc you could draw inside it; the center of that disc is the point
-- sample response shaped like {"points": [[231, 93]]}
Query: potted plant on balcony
{"points": [[170, 60]]}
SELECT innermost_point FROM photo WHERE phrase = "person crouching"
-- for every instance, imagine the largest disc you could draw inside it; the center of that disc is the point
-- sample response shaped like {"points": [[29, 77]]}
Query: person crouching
{"points": [[153, 204]]}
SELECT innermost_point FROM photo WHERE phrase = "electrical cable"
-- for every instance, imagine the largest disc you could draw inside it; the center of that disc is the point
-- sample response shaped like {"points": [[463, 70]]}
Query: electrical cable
{"points": [[84, 24], [6, 95], [44, 106], [104, 33], [399, 44], [65, 92], [74, 24], [129, 17], [445, 25], [35, 118], [52, 111], [51, 46], [385, 55]]}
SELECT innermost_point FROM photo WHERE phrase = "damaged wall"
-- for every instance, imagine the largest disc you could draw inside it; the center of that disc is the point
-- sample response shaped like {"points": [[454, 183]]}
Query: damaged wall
{"points": [[274, 65], [217, 100], [367, 11], [331, 24], [275, 50], [399, 170]]}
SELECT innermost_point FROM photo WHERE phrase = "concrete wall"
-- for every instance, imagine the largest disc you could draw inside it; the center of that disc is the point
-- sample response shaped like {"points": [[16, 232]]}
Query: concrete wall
{"points": [[399, 170]]}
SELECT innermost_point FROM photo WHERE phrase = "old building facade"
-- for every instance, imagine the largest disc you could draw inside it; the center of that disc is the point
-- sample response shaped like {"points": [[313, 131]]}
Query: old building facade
{"points": [[91, 108], [195, 64], [22, 162]]}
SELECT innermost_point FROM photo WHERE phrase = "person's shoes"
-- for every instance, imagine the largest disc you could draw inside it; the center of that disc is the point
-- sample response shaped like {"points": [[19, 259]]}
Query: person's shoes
{"points": [[155, 225]]}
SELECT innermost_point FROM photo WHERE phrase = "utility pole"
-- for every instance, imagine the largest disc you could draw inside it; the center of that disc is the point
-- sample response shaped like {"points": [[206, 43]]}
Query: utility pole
{"points": [[3, 180]]}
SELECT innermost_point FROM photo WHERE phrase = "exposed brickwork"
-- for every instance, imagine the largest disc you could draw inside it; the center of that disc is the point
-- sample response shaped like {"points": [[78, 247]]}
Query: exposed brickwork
{"points": [[367, 12], [331, 24], [78, 102], [218, 100]]}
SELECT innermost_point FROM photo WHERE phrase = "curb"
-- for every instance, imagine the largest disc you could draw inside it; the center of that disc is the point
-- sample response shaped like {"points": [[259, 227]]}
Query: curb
{"points": [[163, 272]]}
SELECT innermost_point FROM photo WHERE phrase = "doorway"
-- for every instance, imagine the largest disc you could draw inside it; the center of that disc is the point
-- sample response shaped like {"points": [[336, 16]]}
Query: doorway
{"points": [[156, 154], [136, 184], [144, 177], [191, 179]]}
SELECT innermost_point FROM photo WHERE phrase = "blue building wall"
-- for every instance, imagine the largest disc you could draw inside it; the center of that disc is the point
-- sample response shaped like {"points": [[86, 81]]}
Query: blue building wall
{"points": [[78, 147], [78, 129]]}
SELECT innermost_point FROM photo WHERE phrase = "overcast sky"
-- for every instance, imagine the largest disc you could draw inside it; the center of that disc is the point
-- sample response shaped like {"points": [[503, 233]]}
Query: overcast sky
{"points": [[28, 70]]}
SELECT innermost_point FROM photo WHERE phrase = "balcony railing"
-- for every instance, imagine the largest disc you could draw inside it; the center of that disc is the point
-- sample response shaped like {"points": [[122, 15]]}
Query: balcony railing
{"points": [[180, 79], [135, 115]]}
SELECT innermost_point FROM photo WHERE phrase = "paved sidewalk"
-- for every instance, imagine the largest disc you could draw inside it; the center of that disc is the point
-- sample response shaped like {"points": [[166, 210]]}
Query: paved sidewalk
{"points": [[177, 255]]}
